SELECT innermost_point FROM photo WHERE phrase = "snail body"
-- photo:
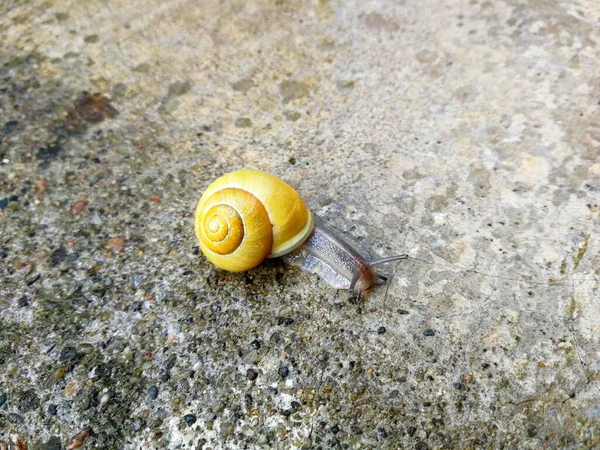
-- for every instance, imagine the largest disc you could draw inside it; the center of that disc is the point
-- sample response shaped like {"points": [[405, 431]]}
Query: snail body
{"points": [[248, 215]]}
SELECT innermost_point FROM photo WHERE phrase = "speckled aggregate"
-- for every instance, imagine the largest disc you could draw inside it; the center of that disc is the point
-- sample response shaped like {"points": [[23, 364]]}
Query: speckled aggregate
{"points": [[464, 133]]}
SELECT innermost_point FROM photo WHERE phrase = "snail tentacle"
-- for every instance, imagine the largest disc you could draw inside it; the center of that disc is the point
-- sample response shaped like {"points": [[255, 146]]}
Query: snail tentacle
{"points": [[388, 259], [353, 282]]}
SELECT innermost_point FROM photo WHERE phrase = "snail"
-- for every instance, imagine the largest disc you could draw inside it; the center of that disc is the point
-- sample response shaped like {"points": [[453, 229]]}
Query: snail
{"points": [[248, 215]]}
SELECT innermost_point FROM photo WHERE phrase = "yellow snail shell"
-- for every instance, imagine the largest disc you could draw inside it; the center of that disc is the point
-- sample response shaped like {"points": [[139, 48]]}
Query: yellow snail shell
{"points": [[246, 216]]}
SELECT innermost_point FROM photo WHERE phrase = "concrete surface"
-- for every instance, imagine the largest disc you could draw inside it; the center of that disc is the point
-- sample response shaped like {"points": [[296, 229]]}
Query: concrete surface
{"points": [[465, 133]]}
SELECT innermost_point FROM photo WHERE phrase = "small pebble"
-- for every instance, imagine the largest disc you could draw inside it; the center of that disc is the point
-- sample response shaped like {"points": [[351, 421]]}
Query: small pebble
{"points": [[5, 201], [255, 344], [25, 269], [170, 362], [429, 332], [52, 409], [251, 374], [73, 257], [136, 279], [78, 207], [58, 256], [29, 401], [116, 244], [227, 429], [381, 330], [41, 186], [457, 385], [283, 371], [49, 152], [275, 338], [152, 392], [9, 126], [32, 280], [68, 354], [190, 419], [51, 444], [382, 433], [285, 321], [15, 418], [3, 398]]}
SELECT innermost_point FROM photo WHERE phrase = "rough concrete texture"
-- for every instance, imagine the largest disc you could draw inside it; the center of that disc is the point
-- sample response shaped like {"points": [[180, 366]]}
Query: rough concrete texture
{"points": [[465, 133]]}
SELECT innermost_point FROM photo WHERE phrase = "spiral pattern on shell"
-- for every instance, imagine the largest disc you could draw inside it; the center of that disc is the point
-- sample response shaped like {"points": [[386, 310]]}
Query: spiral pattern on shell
{"points": [[248, 215]]}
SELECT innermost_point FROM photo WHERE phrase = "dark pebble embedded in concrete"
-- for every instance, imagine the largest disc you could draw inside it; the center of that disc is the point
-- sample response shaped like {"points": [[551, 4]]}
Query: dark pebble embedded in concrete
{"points": [[10, 126], [283, 371], [51, 444], [32, 280], [382, 433], [251, 374], [29, 401], [381, 330], [15, 418], [429, 332], [52, 409], [152, 392], [285, 321], [457, 385], [5, 201], [91, 400], [3, 398], [190, 419], [58, 256], [68, 354], [170, 362], [49, 152], [255, 344], [421, 446]]}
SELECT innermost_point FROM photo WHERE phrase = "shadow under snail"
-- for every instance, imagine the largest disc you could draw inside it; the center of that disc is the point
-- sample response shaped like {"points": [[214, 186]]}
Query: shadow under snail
{"points": [[248, 215]]}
